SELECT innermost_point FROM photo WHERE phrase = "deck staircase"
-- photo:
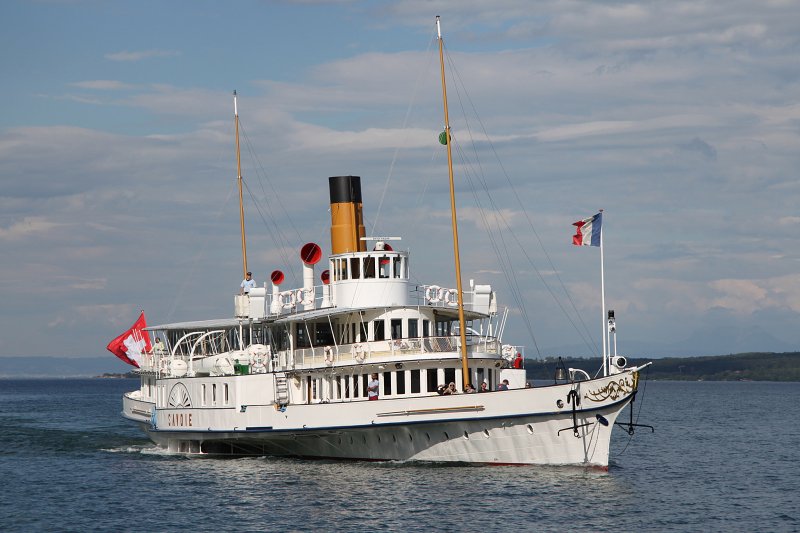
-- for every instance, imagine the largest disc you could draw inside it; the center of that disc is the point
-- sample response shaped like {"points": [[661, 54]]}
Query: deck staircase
{"points": [[281, 389]]}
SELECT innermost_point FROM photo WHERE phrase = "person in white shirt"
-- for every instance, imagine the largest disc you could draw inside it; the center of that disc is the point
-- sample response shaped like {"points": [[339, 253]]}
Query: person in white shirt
{"points": [[372, 387], [247, 283]]}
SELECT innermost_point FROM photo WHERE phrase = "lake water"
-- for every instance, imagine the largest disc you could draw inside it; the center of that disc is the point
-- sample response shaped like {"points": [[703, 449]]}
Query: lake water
{"points": [[724, 457]]}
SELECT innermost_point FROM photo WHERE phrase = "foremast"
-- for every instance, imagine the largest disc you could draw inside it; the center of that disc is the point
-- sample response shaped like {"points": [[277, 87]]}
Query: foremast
{"points": [[239, 181], [461, 322]]}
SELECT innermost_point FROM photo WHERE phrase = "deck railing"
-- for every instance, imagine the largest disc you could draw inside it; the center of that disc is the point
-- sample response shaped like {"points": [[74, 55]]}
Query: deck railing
{"points": [[360, 352]]}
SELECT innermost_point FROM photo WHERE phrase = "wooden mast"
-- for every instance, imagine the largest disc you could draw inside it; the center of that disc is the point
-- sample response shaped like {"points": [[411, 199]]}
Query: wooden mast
{"points": [[461, 322], [239, 174]]}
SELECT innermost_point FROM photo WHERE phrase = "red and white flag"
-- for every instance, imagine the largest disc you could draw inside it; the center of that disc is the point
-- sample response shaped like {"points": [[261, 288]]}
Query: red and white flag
{"points": [[130, 345]]}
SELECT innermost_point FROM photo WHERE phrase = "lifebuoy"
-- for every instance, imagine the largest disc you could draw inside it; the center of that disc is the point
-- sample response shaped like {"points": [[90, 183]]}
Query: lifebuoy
{"points": [[508, 351], [258, 351], [432, 294], [328, 355], [358, 353], [287, 299], [299, 295], [452, 297]]}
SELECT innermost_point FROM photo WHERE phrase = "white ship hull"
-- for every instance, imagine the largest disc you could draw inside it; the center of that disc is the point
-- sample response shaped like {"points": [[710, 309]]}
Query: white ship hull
{"points": [[523, 426]]}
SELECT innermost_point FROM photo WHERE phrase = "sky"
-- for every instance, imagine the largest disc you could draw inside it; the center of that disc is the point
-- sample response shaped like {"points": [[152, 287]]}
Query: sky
{"points": [[680, 119]]}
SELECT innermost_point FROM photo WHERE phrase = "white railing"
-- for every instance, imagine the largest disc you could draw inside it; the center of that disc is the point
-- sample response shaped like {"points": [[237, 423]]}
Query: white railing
{"points": [[360, 352]]}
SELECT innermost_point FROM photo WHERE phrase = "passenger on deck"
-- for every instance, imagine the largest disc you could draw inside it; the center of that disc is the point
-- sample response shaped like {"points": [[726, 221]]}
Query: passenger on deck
{"points": [[451, 389], [484, 387], [247, 283], [469, 389], [372, 387], [158, 347], [503, 385], [441, 389], [518, 361]]}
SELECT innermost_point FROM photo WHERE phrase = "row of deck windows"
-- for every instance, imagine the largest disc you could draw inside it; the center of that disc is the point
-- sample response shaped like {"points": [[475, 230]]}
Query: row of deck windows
{"points": [[378, 265], [360, 332], [318, 334], [392, 384]]}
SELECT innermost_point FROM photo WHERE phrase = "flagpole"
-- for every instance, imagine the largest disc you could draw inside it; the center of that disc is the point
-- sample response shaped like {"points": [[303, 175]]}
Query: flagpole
{"points": [[603, 302]]}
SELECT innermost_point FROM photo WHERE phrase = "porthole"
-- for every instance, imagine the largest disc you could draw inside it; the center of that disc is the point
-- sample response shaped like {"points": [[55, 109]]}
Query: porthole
{"points": [[486, 433], [530, 429], [446, 436], [410, 437]]}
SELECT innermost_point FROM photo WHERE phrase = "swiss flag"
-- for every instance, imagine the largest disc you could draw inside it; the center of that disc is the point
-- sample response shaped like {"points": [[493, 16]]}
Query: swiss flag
{"points": [[130, 345]]}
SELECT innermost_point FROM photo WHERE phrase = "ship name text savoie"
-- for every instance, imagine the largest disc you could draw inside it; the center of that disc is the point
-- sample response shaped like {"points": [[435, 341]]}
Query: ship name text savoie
{"points": [[179, 419]]}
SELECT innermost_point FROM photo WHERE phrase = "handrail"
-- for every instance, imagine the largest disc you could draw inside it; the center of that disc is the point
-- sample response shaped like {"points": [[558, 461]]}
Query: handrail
{"points": [[395, 347]]}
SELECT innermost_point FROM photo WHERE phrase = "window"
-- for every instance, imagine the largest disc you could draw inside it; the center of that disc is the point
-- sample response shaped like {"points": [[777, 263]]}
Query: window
{"points": [[302, 340], [377, 330], [344, 268], [385, 267], [363, 332], [323, 334], [401, 382], [364, 385], [369, 267], [397, 328], [355, 387], [413, 328], [387, 383], [414, 381], [432, 380], [227, 398], [396, 263], [449, 375], [214, 394], [355, 267], [426, 328], [203, 396]]}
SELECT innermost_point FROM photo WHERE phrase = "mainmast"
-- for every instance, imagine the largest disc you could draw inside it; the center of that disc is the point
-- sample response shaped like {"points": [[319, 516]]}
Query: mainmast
{"points": [[461, 322], [239, 174]]}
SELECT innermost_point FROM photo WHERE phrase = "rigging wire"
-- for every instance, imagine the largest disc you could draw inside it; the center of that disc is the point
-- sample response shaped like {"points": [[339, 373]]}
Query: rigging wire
{"points": [[527, 217], [279, 237], [404, 128], [198, 256]]}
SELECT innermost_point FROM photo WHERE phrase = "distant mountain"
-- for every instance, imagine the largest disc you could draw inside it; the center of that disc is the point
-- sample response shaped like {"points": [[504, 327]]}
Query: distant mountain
{"points": [[714, 341], [740, 367], [60, 367]]}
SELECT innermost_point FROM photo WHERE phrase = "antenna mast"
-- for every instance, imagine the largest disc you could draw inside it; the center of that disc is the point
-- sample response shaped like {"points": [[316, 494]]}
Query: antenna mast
{"points": [[461, 322], [239, 180]]}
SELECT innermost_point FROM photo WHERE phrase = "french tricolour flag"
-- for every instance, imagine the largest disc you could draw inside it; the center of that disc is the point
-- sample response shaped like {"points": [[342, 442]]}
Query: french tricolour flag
{"points": [[588, 231]]}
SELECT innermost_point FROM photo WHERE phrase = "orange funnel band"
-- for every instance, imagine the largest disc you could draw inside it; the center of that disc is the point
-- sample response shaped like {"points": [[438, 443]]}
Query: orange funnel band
{"points": [[347, 222]]}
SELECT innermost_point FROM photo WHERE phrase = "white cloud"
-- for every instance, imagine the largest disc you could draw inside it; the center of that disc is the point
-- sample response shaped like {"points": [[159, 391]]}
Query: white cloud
{"points": [[140, 55], [102, 85], [26, 227]]}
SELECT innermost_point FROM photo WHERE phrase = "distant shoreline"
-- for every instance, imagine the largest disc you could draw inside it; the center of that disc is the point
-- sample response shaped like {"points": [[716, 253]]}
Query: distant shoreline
{"points": [[753, 366]]}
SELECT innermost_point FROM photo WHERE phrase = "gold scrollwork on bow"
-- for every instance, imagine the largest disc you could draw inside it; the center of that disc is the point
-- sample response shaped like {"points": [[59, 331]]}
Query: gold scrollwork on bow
{"points": [[615, 389]]}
